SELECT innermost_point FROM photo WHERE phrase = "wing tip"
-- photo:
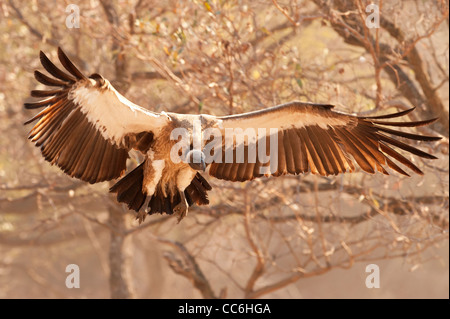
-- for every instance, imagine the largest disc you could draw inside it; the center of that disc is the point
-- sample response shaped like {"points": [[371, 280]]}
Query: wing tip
{"points": [[69, 66], [31, 105], [28, 122], [390, 115], [61, 52], [432, 120]]}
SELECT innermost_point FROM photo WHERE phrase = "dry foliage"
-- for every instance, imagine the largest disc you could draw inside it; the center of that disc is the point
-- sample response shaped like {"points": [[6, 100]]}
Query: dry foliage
{"points": [[223, 57]]}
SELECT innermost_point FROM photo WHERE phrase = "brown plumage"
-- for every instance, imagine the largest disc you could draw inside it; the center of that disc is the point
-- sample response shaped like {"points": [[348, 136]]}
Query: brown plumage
{"points": [[87, 129]]}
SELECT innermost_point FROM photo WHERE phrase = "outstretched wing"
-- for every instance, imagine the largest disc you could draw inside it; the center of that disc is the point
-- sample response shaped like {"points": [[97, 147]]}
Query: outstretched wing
{"points": [[87, 127], [314, 138]]}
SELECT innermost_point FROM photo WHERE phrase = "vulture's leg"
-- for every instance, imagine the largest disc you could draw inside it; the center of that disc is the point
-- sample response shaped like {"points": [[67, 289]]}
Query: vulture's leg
{"points": [[181, 209], [142, 213]]}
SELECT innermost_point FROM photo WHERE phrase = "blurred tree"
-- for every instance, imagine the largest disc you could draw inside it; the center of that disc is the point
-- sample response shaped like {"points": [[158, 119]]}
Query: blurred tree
{"points": [[223, 57]]}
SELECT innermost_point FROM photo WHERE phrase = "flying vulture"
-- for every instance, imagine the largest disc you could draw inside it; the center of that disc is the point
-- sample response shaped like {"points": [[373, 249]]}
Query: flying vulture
{"points": [[88, 129]]}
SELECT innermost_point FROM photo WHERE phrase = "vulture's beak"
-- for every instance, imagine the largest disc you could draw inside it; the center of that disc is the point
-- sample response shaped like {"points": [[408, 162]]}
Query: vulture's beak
{"points": [[196, 160], [203, 165]]}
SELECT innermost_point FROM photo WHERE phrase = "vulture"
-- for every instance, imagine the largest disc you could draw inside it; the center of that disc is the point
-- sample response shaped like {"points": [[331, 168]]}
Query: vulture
{"points": [[87, 129]]}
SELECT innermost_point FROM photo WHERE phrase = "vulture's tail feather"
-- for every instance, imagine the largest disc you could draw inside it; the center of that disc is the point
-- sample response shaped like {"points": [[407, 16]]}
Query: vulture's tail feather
{"points": [[129, 191], [195, 193], [129, 188]]}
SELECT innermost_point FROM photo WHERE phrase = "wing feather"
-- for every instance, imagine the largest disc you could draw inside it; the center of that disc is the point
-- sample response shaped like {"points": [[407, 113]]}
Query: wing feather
{"points": [[315, 138], [86, 125], [44, 79], [53, 70], [45, 93], [282, 166], [287, 144], [69, 66]]}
